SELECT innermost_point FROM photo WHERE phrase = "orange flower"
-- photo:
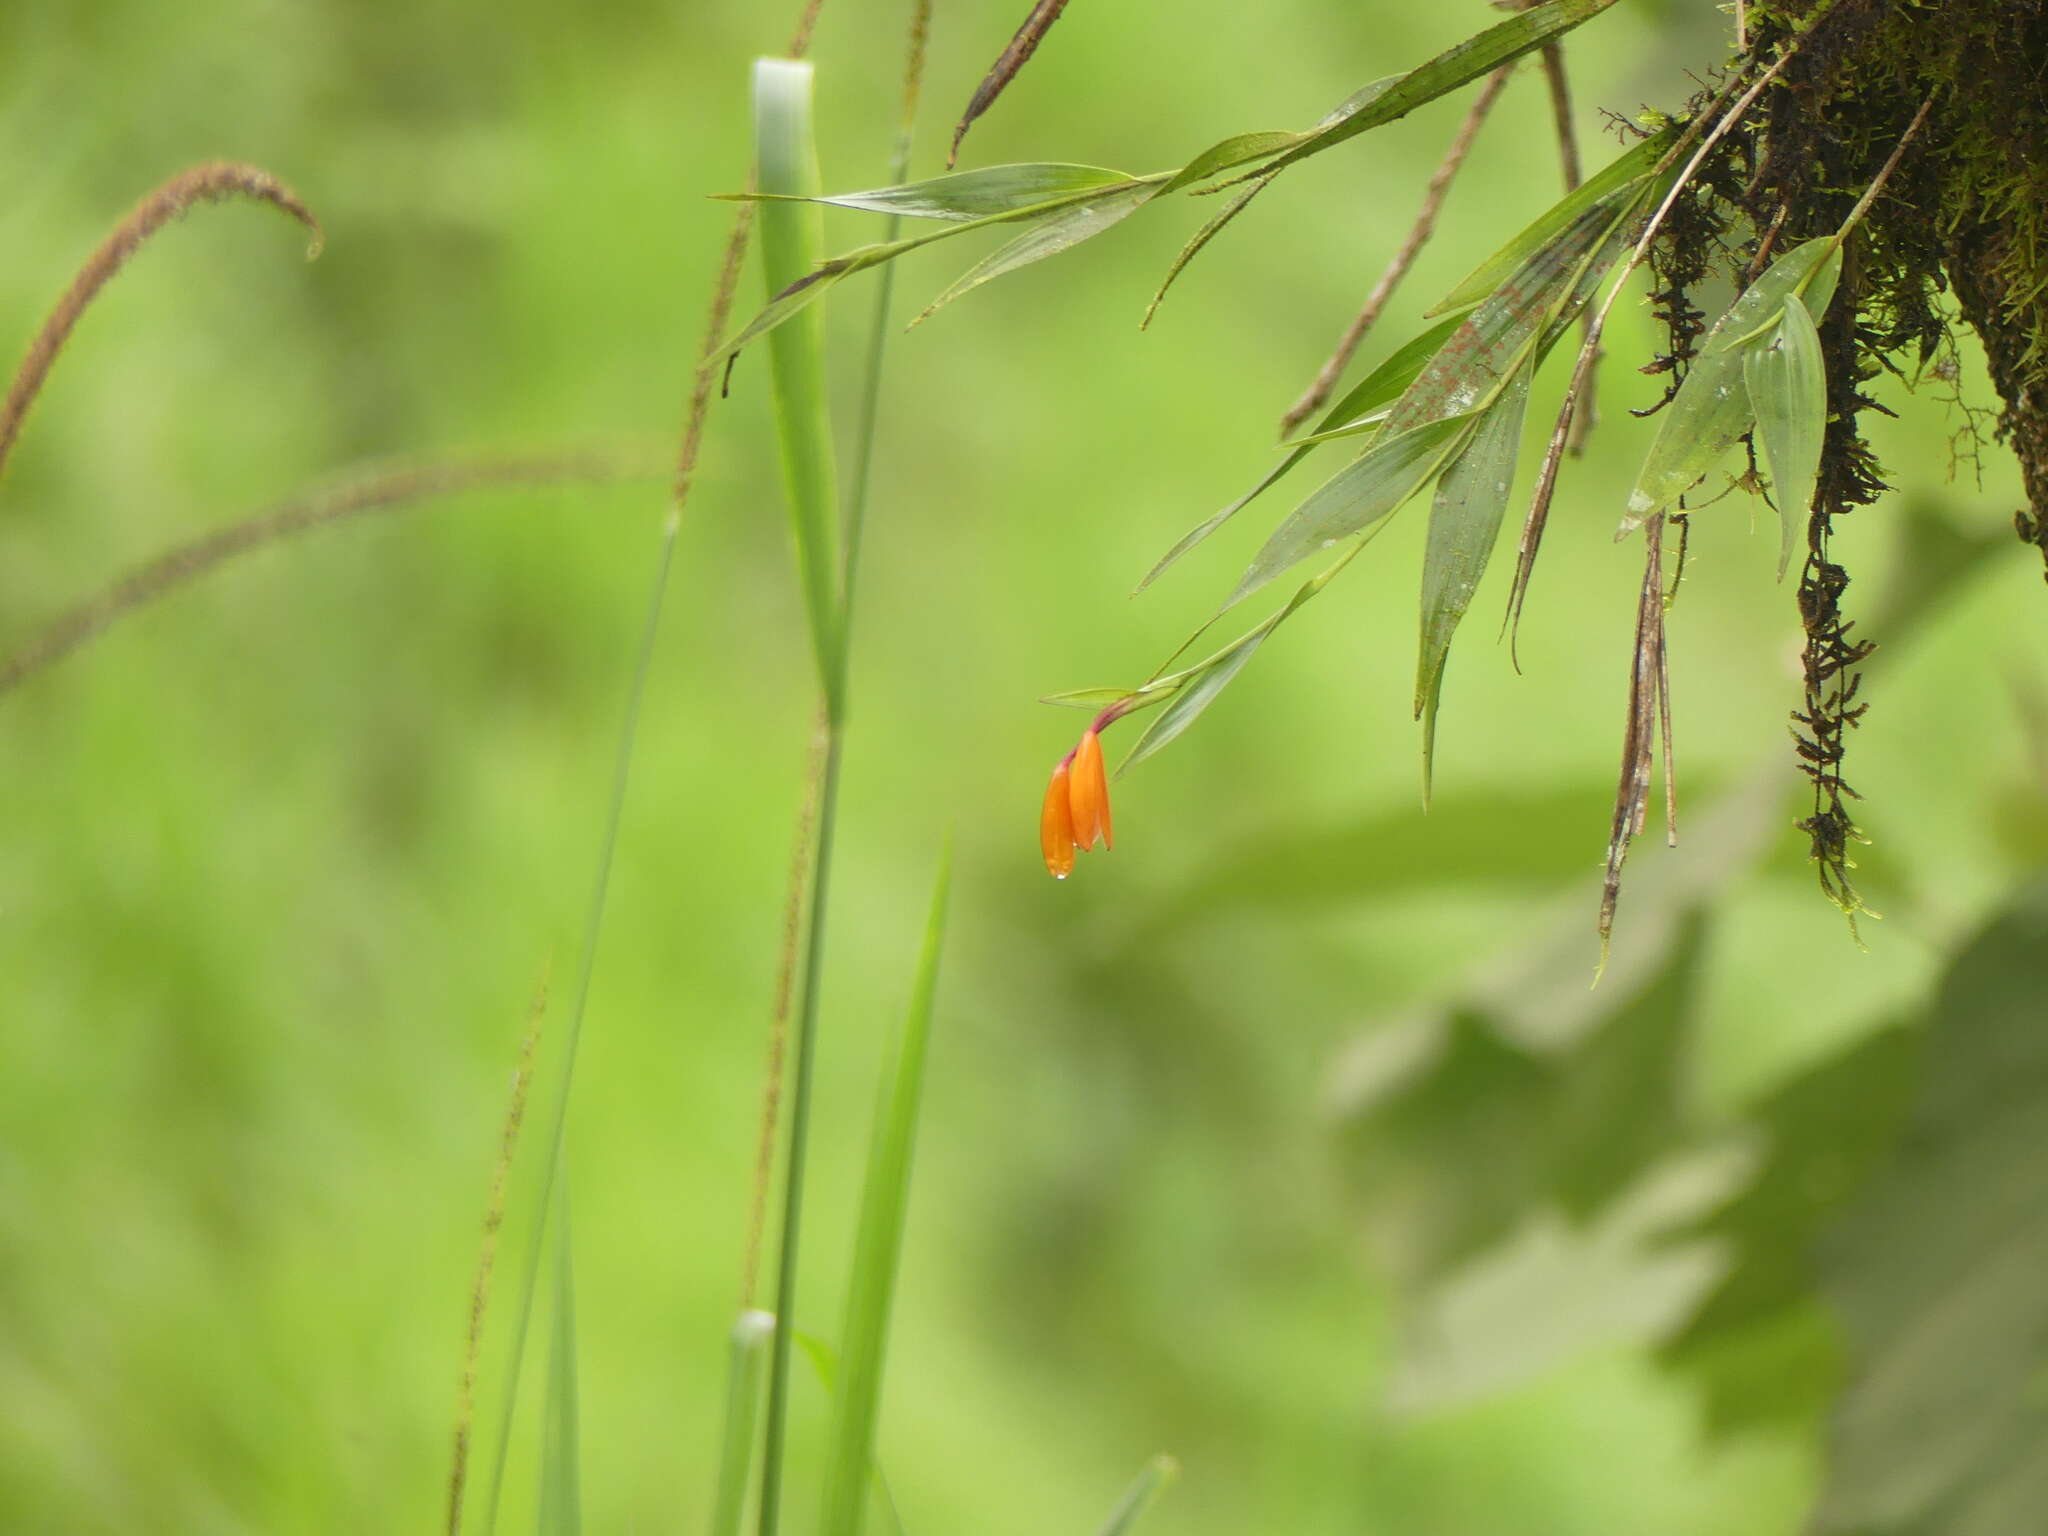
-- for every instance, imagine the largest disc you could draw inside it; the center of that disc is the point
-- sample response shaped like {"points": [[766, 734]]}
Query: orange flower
{"points": [[1088, 794], [1056, 825], [1075, 817]]}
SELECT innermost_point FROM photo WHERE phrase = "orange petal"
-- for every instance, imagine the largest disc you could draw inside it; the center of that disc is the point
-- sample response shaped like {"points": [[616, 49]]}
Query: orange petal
{"points": [[1088, 792], [1056, 826]]}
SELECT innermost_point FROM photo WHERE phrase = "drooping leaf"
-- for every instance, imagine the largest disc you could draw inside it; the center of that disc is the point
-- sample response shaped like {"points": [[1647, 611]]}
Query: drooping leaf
{"points": [[792, 234], [991, 192], [1936, 1269], [878, 1241], [1495, 338], [1457, 65], [1369, 398], [1157, 1477], [1198, 240], [1461, 378], [1711, 408], [1628, 170], [1464, 523], [1378, 482], [1195, 688], [1788, 391], [806, 289], [1056, 232]]}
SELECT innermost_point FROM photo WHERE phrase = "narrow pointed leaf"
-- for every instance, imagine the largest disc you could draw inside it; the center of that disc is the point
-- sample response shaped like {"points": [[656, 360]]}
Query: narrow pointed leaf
{"points": [[1376, 483], [806, 289], [1243, 148], [1369, 397], [1157, 1477], [1201, 237], [879, 1240], [561, 1503], [746, 1361], [1625, 172], [792, 234], [987, 193], [1057, 232], [1788, 391], [1457, 65], [1195, 688], [1089, 698], [1489, 345], [1464, 524], [1711, 410]]}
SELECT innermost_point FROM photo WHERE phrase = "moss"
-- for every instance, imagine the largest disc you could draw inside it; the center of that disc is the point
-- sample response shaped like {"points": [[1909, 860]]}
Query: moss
{"points": [[1961, 227]]}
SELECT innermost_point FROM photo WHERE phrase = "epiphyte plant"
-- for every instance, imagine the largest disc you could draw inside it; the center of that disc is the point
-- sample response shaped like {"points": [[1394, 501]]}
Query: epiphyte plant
{"points": [[1837, 169]]}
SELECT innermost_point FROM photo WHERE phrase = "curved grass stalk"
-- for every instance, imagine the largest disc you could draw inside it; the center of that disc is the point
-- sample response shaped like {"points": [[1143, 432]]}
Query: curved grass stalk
{"points": [[213, 182]]}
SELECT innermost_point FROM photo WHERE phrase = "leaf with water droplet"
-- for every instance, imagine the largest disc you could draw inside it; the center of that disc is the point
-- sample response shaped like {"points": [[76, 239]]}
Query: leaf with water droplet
{"points": [[1788, 390], [1711, 409], [1464, 524]]}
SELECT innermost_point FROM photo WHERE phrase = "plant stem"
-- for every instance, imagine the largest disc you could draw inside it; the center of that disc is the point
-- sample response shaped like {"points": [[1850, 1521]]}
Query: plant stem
{"points": [[799, 1139]]}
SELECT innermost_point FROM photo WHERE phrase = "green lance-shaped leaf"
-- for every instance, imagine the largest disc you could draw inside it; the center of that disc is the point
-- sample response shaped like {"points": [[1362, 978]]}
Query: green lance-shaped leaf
{"points": [[1091, 699], [1464, 523], [994, 191], [879, 1241], [1048, 236], [1157, 1477], [1427, 425], [792, 234], [1198, 240], [1373, 485], [1485, 350], [1190, 691], [1457, 65], [1361, 409], [1625, 173], [1788, 391], [746, 1362], [808, 287], [561, 1503], [1711, 410]]}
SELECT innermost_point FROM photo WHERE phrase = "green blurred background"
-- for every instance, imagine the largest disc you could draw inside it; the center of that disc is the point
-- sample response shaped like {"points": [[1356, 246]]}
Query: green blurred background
{"points": [[285, 855]]}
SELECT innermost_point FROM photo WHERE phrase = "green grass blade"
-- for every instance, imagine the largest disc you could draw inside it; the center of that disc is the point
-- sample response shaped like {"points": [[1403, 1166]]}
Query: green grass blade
{"points": [[629, 734], [1788, 390], [792, 241], [1049, 236], [746, 1361], [1464, 524], [1374, 393], [561, 1501], [1626, 171], [1157, 1477], [1711, 409], [879, 1240], [992, 192]]}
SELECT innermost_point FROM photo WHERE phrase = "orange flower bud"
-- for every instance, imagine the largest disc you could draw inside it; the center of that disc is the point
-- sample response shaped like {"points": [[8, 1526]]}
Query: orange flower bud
{"points": [[1088, 794], [1056, 826]]}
